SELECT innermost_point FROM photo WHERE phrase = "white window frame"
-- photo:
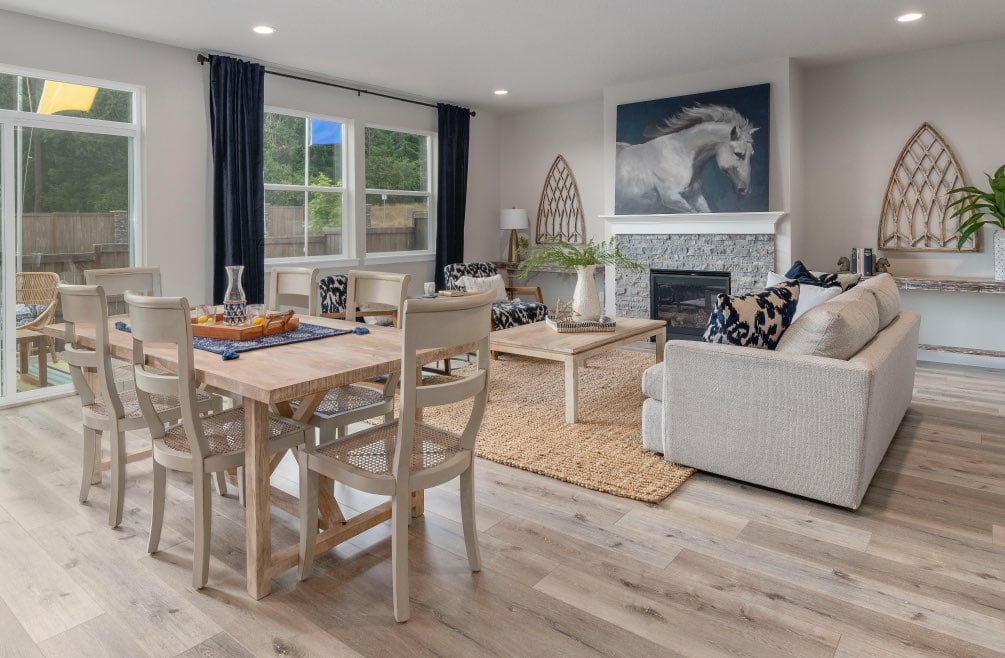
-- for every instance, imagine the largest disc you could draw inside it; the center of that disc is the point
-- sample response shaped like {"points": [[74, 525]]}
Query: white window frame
{"points": [[10, 120], [417, 255], [346, 190]]}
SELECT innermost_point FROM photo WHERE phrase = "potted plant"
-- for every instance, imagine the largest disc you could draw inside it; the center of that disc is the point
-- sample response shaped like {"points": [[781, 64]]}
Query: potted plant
{"points": [[583, 260], [976, 208]]}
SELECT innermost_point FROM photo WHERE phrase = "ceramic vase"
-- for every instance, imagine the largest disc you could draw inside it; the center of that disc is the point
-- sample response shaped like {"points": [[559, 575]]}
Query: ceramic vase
{"points": [[235, 305], [999, 255], [585, 300]]}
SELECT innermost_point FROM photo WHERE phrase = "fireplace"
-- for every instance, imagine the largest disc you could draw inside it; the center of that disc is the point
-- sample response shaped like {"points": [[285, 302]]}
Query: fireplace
{"points": [[685, 298]]}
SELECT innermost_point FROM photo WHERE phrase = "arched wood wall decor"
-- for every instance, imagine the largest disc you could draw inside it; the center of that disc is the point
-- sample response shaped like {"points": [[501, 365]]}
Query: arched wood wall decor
{"points": [[915, 213], [560, 212]]}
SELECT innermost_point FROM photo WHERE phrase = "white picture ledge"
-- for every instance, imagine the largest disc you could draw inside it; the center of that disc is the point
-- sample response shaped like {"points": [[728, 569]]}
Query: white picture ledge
{"points": [[747, 223]]}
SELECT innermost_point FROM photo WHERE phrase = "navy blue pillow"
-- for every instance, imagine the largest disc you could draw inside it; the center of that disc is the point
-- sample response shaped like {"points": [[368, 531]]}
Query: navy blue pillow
{"points": [[801, 273]]}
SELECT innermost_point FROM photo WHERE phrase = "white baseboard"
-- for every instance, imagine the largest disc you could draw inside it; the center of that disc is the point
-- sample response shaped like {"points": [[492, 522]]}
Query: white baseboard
{"points": [[962, 359]]}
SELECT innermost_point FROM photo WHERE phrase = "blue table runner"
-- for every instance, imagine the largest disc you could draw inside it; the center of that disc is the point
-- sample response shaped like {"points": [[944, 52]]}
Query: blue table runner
{"points": [[301, 334]]}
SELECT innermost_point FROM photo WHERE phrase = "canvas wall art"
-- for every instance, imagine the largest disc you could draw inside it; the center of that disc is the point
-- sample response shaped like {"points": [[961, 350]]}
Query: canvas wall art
{"points": [[698, 153]]}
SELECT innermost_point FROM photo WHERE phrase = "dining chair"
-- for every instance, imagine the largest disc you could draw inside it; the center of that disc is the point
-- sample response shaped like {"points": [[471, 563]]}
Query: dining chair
{"points": [[359, 402], [294, 286], [405, 455], [198, 445], [106, 409]]}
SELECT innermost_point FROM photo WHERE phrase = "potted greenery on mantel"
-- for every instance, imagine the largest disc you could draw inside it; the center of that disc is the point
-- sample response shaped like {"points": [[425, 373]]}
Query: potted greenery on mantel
{"points": [[583, 260], [977, 208]]}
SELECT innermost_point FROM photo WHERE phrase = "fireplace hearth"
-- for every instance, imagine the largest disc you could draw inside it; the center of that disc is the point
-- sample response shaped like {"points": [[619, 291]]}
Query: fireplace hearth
{"points": [[685, 298]]}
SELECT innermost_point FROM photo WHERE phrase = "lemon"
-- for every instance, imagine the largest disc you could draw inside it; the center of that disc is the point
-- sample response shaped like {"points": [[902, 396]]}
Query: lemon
{"points": [[203, 319], [259, 321]]}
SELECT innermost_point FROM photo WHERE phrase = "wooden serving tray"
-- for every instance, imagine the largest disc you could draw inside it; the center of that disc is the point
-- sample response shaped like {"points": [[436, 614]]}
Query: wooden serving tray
{"points": [[275, 324]]}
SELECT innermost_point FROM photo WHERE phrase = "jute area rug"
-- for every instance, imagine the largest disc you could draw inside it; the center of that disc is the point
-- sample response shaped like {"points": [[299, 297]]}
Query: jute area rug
{"points": [[524, 425]]}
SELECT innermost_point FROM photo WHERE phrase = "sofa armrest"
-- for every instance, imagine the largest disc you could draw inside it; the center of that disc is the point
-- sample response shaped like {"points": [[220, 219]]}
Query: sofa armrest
{"points": [[786, 421]]}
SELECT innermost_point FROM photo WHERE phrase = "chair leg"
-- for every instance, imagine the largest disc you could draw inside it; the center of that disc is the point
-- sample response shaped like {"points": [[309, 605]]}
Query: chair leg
{"points": [[118, 476], [400, 515], [53, 356], [220, 482], [202, 525], [308, 516], [87, 470], [157, 508], [240, 486], [468, 518]]}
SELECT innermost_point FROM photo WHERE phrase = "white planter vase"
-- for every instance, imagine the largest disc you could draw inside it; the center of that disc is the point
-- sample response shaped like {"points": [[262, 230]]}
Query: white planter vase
{"points": [[585, 300], [999, 255]]}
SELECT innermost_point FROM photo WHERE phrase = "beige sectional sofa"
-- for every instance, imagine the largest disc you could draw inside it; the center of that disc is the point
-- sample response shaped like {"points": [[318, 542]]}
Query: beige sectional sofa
{"points": [[813, 417]]}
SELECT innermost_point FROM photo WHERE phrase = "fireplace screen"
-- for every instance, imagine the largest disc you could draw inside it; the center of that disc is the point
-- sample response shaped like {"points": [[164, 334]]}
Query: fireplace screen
{"points": [[685, 298]]}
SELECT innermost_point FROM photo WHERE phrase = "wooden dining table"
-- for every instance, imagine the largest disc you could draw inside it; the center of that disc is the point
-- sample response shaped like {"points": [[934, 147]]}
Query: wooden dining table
{"points": [[269, 379]]}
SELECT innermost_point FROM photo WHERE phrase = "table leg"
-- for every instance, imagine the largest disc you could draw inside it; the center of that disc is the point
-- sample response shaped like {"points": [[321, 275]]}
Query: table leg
{"points": [[42, 349], [258, 512], [24, 347], [661, 343], [571, 389]]}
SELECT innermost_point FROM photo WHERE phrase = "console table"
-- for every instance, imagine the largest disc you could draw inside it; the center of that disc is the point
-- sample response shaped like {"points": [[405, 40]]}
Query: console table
{"points": [[511, 268], [953, 284]]}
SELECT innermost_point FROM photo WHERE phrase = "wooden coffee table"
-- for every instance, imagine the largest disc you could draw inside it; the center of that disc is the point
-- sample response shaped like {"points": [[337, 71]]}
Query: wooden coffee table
{"points": [[540, 341]]}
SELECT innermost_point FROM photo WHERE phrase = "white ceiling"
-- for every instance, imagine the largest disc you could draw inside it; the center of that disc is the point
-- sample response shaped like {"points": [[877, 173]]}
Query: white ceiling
{"points": [[545, 52]]}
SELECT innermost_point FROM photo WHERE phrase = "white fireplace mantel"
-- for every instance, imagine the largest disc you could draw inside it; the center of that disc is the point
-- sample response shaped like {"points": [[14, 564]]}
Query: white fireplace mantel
{"points": [[707, 223]]}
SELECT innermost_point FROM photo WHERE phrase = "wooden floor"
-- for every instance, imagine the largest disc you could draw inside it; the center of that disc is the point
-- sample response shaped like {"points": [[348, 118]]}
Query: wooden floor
{"points": [[720, 568]]}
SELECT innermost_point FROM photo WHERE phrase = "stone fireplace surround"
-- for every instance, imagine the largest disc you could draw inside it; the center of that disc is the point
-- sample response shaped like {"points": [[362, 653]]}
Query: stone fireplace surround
{"points": [[743, 244]]}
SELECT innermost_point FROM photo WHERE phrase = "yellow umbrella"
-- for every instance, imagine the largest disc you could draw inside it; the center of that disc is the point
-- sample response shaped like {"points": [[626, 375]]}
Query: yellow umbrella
{"points": [[62, 96]]}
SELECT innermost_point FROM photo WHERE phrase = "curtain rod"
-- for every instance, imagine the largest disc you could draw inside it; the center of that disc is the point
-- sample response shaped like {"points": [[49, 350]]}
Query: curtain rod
{"points": [[202, 59]]}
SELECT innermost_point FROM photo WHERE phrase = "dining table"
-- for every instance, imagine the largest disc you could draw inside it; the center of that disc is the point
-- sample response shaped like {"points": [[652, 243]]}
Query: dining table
{"points": [[291, 380]]}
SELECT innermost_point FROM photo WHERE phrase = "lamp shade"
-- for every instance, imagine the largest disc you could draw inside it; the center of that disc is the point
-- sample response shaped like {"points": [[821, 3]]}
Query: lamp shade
{"points": [[514, 218]]}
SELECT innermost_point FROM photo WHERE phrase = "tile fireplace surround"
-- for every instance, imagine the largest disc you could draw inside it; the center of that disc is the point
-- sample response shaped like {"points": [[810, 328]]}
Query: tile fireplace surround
{"points": [[742, 244]]}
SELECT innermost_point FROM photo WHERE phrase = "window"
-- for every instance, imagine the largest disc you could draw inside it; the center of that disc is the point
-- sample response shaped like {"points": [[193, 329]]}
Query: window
{"points": [[397, 191], [304, 187], [69, 149]]}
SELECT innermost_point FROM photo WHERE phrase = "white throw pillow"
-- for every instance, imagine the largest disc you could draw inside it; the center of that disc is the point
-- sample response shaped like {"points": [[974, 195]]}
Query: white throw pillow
{"points": [[485, 284], [809, 296]]}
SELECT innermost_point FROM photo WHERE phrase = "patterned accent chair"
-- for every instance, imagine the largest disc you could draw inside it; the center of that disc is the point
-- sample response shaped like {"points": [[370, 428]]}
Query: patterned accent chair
{"points": [[504, 314], [333, 290]]}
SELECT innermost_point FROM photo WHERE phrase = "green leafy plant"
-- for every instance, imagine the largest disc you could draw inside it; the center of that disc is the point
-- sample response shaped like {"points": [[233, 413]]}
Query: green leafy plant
{"points": [[569, 256], [975, 207]]}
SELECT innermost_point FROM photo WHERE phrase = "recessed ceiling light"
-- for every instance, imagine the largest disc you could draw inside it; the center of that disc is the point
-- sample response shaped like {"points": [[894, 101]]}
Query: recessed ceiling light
{"points": [[500, 92], [263, 29], [910, 18]]}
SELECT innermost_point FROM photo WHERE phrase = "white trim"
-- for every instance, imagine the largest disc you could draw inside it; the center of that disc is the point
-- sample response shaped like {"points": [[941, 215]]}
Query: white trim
{"points": [[706, 223], [373, 190], [381, 258], [8, 179], [322, 262]]}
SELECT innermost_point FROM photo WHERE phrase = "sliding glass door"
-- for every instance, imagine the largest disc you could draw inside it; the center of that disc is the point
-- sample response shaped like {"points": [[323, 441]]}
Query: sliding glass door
{"points": [[68, 197]]}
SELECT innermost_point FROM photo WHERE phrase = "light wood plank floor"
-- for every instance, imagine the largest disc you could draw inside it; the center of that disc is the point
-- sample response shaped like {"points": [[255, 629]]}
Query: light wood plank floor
{"points": [[719, 568]]}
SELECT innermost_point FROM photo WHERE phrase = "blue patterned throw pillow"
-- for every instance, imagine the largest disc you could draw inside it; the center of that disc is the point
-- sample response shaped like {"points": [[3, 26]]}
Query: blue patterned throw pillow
{"points": [[802, 274], [755, 320]]}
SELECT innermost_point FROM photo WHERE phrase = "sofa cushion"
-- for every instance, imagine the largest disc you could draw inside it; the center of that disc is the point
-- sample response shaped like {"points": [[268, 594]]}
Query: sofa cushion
{"points": [[652, 381], [884, 288], [755, 320], [809, 295], [837, 329]]}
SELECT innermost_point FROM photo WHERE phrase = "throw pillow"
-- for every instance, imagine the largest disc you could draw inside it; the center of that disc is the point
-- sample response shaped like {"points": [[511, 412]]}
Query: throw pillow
{"points": [[809, 295], [838, 329], [755, 320], [26, 313], [485, 284], [802, 274], [884, 288]]}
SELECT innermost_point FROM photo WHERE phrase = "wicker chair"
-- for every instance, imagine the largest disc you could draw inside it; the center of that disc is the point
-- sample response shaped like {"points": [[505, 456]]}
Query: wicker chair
{"points": [[39, 289], [199, 446], [402, 456]]}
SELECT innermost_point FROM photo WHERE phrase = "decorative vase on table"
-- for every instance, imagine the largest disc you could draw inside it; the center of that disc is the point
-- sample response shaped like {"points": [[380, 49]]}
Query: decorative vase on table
{"points": [[999, 255], [235, 305], [585, 299]]}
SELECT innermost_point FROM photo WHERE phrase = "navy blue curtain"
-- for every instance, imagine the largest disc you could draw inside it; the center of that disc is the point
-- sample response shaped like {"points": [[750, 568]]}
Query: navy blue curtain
{"points": [[237, 125], [452, 186]]}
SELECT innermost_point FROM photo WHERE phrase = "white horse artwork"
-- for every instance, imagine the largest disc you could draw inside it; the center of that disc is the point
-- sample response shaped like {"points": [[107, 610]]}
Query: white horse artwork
{"points": [[664, 174]]}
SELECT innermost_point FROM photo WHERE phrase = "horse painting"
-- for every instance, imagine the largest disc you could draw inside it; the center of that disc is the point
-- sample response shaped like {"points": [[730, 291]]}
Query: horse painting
{"points": [[665, 174]]}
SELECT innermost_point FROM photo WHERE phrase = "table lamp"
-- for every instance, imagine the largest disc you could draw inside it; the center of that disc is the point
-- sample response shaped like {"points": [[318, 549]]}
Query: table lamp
{"points": [[513, 219]]}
